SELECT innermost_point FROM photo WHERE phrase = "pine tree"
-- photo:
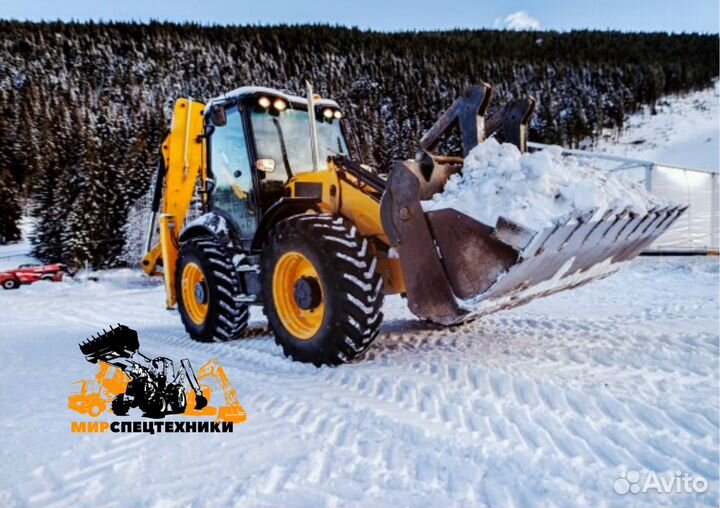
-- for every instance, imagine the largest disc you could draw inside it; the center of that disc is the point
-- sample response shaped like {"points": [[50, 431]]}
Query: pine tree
{"points": [[10, 211]]}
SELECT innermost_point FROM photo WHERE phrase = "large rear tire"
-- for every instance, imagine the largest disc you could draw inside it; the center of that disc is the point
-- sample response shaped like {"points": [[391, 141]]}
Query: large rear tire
{"points": [[208, 287], [321, 294]]}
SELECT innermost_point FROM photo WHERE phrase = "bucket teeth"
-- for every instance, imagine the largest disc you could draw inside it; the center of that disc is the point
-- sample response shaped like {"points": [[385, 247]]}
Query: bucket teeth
{"points": [[488, 269], [118, 342], [577, 245]]}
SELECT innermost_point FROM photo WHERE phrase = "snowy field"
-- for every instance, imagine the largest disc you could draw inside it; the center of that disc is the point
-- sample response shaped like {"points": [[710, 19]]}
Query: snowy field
{"points": [[544, 405], [549, 404]]}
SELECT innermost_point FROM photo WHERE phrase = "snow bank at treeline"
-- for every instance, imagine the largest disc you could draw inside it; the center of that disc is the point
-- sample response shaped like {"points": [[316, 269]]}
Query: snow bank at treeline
{"points": [[535, 189]]}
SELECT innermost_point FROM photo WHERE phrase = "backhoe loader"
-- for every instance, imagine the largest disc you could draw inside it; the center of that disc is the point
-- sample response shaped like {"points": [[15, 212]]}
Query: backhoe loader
{"points": [[293, 223]]}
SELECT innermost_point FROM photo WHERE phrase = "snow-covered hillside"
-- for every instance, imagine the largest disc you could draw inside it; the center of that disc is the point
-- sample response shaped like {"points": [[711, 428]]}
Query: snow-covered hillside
{"points": [[685, 132]]}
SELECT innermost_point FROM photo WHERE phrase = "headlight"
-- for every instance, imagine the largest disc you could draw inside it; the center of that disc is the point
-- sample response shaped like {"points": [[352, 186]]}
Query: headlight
{"points": [[328, 113], [279, 104], [338, 114], [264, 102]]}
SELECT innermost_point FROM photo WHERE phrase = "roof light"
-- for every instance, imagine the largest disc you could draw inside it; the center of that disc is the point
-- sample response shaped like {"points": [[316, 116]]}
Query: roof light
{"points": [[279, 104], [328, 113], [264, 102], [338, 114]]}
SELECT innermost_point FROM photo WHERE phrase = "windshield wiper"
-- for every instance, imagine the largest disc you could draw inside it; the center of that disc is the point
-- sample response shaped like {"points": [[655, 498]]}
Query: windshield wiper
{"points": [[283, 148]]}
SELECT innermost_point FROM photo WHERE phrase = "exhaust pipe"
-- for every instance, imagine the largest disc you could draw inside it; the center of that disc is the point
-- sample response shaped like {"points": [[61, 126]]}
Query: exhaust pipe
{"points": [[313, 127]]}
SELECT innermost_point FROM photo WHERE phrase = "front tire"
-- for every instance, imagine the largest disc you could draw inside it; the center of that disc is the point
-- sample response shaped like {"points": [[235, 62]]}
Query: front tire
{"points": [[10, 284], [208, 286], [321, 294], [177, 398], [155, 407], [96, 410], [120, 406]]}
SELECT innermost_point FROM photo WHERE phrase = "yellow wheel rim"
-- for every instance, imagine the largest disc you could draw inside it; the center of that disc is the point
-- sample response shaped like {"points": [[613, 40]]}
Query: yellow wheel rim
{"points": [[301, 318], [195, 293]]}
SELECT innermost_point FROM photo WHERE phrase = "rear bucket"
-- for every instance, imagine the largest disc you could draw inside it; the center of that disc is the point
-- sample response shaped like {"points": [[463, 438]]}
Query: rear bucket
{"points": [[456, 268]]}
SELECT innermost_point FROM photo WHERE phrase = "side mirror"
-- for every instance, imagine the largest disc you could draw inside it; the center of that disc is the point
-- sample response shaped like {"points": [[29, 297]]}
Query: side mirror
{"points": [[265, 165], [218, 116]]}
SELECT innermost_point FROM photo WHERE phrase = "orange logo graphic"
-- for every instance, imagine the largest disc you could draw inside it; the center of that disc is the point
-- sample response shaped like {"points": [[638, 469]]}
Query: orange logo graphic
{"points": [[126, 379], [96, 395]]}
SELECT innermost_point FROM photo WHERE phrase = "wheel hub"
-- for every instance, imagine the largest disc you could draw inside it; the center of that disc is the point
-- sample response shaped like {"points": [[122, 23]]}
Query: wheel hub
{"points": [[201, 292], [195, 296], [307, 293], [298, 295]]}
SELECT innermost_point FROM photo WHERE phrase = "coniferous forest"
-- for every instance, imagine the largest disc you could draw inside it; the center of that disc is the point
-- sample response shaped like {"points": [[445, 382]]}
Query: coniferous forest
{"points": [[85, 106]]}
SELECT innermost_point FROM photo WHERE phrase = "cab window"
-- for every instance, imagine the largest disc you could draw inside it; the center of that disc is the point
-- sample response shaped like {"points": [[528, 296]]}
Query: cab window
{"points": [[231, 168], [285, 137]]}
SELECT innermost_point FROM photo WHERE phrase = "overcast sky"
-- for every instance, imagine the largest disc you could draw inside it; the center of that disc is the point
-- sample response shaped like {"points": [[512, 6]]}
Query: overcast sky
{"points": [[388, 15]]}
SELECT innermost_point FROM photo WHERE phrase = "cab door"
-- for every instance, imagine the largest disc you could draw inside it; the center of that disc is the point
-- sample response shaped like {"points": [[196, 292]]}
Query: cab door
{"points": [[232, 170]]}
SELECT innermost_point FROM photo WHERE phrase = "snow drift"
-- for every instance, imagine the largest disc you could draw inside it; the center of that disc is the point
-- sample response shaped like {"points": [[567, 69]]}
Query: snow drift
{"points": [[535, 189]]}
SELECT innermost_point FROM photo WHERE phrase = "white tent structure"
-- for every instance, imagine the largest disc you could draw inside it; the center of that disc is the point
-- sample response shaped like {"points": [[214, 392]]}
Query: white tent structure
{"points": [[698, 230]]}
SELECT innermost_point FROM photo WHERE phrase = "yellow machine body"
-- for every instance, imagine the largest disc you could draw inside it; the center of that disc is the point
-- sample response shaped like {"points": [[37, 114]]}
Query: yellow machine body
{"points": [[185, 159]]}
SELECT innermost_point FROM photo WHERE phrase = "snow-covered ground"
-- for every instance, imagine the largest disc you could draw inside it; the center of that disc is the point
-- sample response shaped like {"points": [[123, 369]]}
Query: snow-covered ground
{"points": [[549, 404], [545, 405], [685, 132]]}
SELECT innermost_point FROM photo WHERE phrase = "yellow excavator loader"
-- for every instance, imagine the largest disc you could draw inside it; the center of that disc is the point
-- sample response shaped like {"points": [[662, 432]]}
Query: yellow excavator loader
{"points": [[292, 223]]}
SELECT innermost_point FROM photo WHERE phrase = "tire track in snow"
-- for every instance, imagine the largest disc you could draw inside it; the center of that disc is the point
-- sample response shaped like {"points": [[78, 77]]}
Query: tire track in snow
{"points": [[440, 410]]}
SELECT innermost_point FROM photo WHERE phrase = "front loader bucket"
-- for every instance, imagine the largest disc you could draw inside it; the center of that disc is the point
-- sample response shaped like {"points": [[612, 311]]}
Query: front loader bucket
{"points": [[120, 342], [456, 267]]}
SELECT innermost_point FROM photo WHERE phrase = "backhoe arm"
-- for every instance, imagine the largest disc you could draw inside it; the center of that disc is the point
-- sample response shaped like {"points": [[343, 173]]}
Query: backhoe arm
{"points": [[187, 371], [182, 162]]}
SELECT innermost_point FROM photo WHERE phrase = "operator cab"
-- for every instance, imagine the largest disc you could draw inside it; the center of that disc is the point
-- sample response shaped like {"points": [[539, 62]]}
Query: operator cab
{"points": [[258, 139]]}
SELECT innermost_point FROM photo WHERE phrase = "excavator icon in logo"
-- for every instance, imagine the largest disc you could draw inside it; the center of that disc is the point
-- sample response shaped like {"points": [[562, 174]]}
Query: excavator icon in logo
{"points": [[126, 379]]}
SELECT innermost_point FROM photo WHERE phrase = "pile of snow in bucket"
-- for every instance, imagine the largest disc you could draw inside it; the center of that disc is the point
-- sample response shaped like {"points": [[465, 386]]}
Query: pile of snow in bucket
{"points": [[535, 189]]}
